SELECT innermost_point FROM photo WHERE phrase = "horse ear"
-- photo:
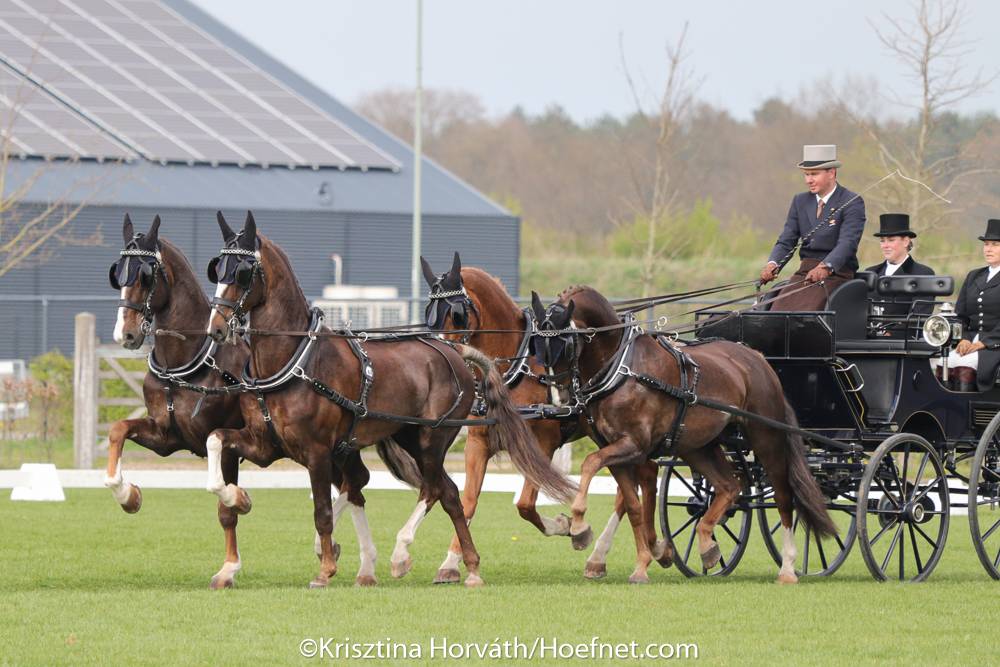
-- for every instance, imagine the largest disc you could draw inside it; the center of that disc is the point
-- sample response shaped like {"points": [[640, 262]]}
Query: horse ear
{"points": [[227, 233], [456, 265], [153, 232], [250, 232], [127, 230], [536, 305], [428, 273]]}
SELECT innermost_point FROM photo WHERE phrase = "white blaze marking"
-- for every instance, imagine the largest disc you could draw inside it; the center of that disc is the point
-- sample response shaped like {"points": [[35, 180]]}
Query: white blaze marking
{"points": [[604, 542], [220, 289], [119, 334], [404, 537]]}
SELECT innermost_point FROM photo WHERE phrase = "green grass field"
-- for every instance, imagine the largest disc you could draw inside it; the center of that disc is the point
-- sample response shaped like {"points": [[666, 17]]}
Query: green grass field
{"points": [[84, 583]]}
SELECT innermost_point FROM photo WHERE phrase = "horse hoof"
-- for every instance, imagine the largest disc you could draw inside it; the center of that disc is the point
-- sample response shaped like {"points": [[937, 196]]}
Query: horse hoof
{"points": [[365, 580], [243, 503], [663, 553], [402, 568], [582, 539], [336, 553], [218, 583], [134, 501], [595, 570], [711, 558], [474, 581], [447, 576], [319, 582], [787, 579], [638, 578]]}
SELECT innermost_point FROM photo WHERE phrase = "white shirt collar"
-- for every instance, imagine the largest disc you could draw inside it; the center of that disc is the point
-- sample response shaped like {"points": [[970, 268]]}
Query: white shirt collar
{"points": [[826, 199], [992, 272], [891, 268]]}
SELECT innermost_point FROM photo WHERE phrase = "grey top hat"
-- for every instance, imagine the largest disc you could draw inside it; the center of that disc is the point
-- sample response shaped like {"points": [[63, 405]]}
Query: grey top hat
{"points": [[819, 157]]}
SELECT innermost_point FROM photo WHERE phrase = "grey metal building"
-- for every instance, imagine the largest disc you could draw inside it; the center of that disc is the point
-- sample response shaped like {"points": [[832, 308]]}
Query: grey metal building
{"points": [[353, 198]]}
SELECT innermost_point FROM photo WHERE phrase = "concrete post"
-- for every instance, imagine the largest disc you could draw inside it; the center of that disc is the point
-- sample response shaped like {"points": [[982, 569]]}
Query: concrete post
{"points": [[85, 391]]}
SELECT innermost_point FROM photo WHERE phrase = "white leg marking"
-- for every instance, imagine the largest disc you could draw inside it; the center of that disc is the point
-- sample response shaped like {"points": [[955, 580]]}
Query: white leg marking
{"points": [[339, 504], [404, 538], [788, 553], [216, 483], [119, 334], [229, 569], [451, 561], [604, 542], [119, 489], [557, 526], [364, 540]]}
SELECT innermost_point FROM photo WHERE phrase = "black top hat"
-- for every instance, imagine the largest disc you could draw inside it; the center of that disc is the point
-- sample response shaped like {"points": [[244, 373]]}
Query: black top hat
{"points": [[992, 231], [894, 224]]}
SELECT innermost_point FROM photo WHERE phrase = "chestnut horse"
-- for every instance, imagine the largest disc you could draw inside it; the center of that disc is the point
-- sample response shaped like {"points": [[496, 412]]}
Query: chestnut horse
{"points": [[156, 281], [471, 299], [635, 418], [410, 390]]}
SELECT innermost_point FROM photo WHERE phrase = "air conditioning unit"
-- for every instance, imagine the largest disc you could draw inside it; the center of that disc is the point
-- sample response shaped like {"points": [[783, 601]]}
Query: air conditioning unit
{"points": [[362, 307]]}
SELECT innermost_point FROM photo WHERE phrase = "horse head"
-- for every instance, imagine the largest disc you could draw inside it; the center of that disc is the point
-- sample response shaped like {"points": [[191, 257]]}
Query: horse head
{"points": [[448, 296], [139, 276], [238, 276], [565, 330]]}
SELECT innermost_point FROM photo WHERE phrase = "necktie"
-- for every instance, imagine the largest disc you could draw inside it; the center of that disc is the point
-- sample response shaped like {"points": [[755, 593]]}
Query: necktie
{"points": [[819, 209]]}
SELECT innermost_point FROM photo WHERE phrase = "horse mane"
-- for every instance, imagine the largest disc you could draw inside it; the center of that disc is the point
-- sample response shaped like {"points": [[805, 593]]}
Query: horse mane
{"points": [[573, 290], [291, 280], [179, 263], [476, 279], [589, 302]]}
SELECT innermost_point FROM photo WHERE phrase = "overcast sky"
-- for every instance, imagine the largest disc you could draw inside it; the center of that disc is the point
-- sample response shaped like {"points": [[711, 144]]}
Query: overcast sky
{"points": [[536, 53]]}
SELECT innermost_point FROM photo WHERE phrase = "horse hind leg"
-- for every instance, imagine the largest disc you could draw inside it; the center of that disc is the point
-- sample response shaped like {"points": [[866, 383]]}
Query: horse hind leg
{"points": [[769, 449], [646, 473], [597, 563], [476, 457], [717, 470]]}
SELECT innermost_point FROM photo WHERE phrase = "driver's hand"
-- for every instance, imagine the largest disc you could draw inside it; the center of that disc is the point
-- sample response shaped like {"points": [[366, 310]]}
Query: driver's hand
{"points": [[768, 273], [964, 347]]}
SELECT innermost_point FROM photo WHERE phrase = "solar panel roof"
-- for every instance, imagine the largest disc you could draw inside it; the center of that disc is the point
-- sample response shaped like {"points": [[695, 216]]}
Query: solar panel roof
{"points": [[165, 90]]}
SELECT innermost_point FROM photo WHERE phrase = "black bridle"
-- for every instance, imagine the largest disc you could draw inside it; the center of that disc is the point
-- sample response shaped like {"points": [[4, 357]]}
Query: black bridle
{"points": [[144, 267], [235, 266], [455, 302]]}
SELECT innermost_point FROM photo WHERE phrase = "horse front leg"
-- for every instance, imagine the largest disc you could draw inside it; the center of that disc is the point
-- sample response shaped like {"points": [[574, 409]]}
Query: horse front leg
{"points": [[647, 473], [228, 518], [230, 494], [320, 479], [549, 439], [127, 495], [625, 476], [597, 563]]}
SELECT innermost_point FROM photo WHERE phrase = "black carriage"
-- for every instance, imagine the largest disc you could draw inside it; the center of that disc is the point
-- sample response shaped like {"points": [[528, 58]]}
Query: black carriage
{"points": [[894, 449]]}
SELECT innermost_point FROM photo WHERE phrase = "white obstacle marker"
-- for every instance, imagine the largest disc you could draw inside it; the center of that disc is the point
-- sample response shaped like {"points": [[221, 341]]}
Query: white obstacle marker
{"points": [[39, 481]]}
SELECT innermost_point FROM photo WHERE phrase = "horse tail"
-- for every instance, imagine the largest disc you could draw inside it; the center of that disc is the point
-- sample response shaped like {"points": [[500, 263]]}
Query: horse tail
{"points": [[809, 499], [401, 465], [509, 433]]}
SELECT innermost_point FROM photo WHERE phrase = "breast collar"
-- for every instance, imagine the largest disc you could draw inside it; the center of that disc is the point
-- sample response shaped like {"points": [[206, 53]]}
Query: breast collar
{"points": [[295, 368], [204, 358]]}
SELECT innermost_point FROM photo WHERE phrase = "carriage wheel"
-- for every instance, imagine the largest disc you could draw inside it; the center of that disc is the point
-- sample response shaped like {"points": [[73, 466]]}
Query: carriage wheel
{"points": [[819, 558], [679, 517], [903, 508], [984, 498]]}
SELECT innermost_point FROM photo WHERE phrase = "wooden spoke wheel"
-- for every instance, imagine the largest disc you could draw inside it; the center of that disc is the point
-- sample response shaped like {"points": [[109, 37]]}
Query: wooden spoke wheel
{"points": [[681, 512], [903, 509], [984, 498]]}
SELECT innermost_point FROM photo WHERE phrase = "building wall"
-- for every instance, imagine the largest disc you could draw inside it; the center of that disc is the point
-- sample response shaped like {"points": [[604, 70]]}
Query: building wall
{"points": [[375, 250]]}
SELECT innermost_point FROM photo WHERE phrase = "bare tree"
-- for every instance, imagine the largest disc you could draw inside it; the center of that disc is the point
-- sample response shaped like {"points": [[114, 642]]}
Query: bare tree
{"points": [[27, 227], [930, 46], [653, 200], [392, 108]]}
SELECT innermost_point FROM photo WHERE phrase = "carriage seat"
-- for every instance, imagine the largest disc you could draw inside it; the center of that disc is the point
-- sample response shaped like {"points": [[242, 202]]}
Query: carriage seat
{"points": [[849, 303], [870, 278]]}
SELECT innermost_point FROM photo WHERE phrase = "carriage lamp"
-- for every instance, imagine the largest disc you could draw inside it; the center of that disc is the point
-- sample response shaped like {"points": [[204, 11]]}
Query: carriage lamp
{"points": [[937, 330]]}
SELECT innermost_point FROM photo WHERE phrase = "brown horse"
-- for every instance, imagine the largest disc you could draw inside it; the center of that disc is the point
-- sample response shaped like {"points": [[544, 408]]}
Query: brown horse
{"points": [[636, 417], [156, 280], [471, 299], [409, 390]]}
